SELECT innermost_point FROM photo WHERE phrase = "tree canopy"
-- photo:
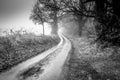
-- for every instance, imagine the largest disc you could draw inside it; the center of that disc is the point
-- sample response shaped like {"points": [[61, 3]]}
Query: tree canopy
{"points": [[105, 12], [47, 11]]}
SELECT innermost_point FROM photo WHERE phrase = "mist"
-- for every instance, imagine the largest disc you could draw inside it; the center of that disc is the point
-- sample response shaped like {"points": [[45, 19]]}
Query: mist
{"points": [[14, 14]]}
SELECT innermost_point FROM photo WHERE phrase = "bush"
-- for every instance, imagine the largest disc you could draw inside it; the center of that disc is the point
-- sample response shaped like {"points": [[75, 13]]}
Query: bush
{"points": [[108, 32], [17, 48]]}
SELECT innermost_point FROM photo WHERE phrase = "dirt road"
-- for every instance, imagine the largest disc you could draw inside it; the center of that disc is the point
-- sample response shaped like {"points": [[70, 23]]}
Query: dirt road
{"points": [[51, 71]]}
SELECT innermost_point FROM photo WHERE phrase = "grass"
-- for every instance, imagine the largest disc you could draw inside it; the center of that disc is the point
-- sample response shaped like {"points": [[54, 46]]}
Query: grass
{"points": [[16, 48], [89, 63]]}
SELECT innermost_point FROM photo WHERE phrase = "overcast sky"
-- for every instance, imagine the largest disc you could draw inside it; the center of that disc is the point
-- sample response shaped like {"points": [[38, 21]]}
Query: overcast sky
{"points": [[14, 14]]}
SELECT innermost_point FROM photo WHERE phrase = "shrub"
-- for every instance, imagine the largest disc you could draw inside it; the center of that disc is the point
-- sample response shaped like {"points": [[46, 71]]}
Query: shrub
{"points": [[17, 48]]}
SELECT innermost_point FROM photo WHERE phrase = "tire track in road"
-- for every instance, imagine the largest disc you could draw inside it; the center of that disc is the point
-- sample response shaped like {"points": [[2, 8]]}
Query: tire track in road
{"points": [[52, 60]]}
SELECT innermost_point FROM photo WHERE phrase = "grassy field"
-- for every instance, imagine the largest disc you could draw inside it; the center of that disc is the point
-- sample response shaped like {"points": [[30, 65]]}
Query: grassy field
{"points": [[16, 48], [87, 62]]}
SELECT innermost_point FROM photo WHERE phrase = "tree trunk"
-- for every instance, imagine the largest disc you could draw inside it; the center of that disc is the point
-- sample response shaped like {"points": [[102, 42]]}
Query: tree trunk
{"points": [[55, 25], [43, 28], [81, 23], [54, 28], [116, 6]]}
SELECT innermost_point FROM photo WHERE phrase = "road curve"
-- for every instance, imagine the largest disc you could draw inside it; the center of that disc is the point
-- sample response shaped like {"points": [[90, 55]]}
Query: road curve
{"points": [[52, 71]]}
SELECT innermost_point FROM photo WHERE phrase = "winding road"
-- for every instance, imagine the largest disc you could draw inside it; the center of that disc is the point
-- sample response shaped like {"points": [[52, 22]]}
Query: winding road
{"points": [[53, 58]]}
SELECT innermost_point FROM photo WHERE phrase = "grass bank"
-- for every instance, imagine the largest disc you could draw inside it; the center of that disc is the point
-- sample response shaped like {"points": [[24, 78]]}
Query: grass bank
{"points": [[89, 63], [17, 48]]}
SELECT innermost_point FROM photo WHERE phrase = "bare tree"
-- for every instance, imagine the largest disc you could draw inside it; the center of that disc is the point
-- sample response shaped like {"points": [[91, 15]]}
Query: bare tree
{"points": [[78, 9], [47, 11]]}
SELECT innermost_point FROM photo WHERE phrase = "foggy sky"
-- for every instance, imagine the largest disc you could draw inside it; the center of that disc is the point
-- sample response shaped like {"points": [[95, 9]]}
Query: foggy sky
{"points": [[15, 12]]}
